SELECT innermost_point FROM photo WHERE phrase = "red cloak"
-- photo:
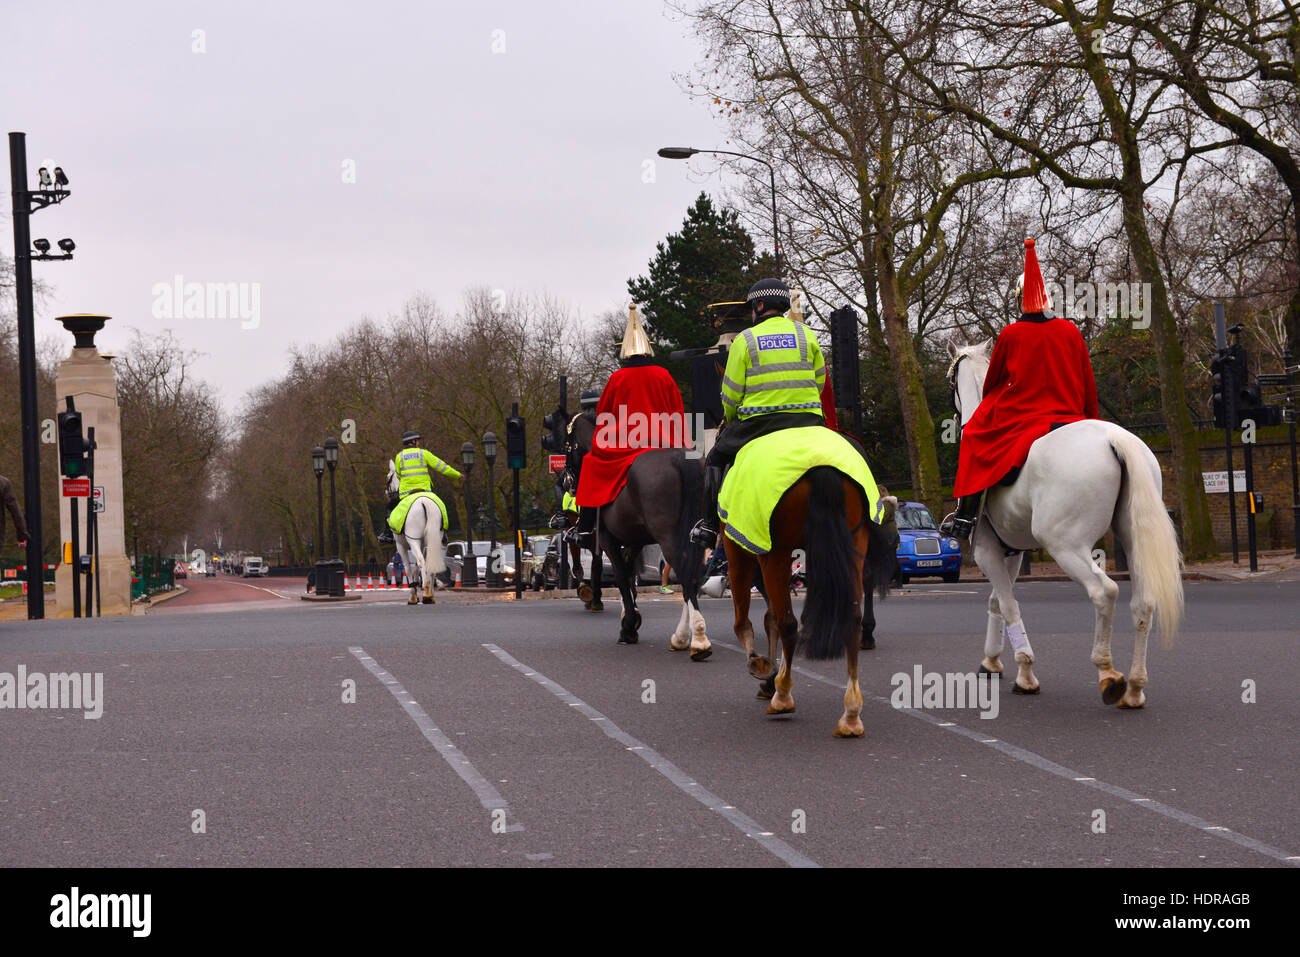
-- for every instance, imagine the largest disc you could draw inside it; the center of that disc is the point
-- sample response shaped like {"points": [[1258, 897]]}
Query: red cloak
{"points": [[630, 419], [1039, 375]]}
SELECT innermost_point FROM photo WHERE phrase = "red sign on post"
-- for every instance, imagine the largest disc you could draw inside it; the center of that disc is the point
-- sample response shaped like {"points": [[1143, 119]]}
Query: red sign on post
{"points": [[76, 488], [557, 464]]}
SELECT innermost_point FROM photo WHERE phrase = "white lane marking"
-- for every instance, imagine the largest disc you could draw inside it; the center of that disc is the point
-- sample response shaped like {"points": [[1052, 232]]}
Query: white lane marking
{"points": [[260, 588], [487, 795], [1051, 767], [748, 826]]}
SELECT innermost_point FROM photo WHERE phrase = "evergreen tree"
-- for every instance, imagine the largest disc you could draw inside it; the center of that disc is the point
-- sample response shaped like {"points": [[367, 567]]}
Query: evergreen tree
{"points": [[712, 259]]}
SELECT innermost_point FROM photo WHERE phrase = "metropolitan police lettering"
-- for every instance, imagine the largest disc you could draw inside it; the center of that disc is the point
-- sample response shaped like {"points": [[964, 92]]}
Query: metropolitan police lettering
{"points": [[779, 340], [415, 456]]}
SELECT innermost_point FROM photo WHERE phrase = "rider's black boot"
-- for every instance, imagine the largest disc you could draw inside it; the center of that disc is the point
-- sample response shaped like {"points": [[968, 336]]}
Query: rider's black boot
{"points": [[961, 523], [705, 532], [586, 533]]}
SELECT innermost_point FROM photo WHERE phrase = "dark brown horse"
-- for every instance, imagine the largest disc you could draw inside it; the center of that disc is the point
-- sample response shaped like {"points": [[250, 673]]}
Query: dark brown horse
{"points": [[659, 504], [825, 514]]}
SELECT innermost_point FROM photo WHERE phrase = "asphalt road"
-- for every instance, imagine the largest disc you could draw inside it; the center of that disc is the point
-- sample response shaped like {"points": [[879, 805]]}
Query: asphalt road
{"points": [[504, 733]]}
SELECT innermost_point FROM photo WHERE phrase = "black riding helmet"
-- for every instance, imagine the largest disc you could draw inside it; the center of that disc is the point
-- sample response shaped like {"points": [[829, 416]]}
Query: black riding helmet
{"points": [[409, 437]]}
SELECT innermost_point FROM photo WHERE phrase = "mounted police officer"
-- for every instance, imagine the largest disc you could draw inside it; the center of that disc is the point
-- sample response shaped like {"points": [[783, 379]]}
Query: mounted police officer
{"points": [[415, 467], [774, 379]]}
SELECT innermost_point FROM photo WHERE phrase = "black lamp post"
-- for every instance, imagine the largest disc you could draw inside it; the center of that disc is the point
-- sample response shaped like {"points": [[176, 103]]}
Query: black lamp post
{"points": [[490, 453], [318, 466], [469, 564], [686, 152]]}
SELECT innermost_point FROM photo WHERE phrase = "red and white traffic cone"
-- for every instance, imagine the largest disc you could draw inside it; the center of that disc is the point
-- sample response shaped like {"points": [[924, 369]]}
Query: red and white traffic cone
{"points": [[347, 585], [370, 581]]}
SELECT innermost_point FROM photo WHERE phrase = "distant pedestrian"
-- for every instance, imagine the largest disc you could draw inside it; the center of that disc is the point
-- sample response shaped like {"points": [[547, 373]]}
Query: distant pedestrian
{"points": [[9, 501]]}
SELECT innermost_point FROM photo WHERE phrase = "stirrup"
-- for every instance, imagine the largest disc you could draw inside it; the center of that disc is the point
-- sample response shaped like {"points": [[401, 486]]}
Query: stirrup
{"points": [[557, 521], [704, 533], [957, 527], [585, 540]]}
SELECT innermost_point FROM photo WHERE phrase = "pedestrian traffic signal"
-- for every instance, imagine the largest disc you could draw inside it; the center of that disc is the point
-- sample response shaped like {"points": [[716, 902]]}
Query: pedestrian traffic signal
{"points": [[516, 457], [72, 446]]}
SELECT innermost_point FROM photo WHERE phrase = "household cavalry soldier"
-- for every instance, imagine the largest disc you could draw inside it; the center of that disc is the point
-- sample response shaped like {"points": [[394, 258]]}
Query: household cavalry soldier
{"points": [[638, 392], [415, 467], [1040, 376], [774, 380]]}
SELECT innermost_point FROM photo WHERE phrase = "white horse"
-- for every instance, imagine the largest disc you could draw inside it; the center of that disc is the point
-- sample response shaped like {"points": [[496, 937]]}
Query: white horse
{"points": [[1077, 481], [419, 543]]}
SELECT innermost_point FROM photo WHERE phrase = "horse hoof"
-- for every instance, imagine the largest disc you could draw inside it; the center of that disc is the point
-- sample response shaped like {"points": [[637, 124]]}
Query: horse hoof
{"points": [[412, 601], [701, 654], [986, 671], [850, 729], [781, 704], [594, 606], [631, 639], [1128, 704], [427, 601], [585, 593], [767, 689], [761, 667], [1113, 689], [868, 644], [1016, 689]]}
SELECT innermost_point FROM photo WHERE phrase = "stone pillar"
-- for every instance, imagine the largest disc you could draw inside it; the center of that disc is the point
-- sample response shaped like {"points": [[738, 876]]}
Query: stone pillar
{"points": [[88, 377]]}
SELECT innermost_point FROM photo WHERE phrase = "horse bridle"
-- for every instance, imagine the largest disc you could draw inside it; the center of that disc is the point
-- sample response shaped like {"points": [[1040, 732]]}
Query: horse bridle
{"points": [[952, 380]]}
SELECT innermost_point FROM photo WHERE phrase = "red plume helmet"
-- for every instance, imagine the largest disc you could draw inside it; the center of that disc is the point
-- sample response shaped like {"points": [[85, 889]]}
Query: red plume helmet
{"points": [[1034, 296]]}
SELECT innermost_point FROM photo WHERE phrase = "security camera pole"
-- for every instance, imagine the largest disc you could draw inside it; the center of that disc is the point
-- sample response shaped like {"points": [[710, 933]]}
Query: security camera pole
{"points": [[25, 203]]}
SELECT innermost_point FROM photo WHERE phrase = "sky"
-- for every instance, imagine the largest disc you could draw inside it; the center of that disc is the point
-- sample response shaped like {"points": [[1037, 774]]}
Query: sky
{"points": [[332, 160]]}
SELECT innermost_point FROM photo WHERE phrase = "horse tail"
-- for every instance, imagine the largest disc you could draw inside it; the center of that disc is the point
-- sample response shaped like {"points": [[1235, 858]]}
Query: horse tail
{"points": [[1157, 562], [433, 538], [830, 559], [689, 560]]}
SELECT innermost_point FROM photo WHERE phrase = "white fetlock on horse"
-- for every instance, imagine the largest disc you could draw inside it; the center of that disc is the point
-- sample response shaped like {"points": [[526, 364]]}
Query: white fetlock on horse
{"points": [[420, 543], [1078, 481]]}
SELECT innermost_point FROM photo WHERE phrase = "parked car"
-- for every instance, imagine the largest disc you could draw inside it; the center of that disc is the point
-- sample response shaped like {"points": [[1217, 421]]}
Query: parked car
{"points": [[254, 567], [455, 558], [922, 550]]}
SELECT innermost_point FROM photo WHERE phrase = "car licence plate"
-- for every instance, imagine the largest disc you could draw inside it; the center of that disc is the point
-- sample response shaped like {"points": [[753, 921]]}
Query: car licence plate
{"points": [[930, 563]]}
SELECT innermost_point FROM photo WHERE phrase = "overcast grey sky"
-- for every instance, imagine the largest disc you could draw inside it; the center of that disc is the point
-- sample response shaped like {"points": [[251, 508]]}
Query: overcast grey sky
{"points": [[500, 144]]}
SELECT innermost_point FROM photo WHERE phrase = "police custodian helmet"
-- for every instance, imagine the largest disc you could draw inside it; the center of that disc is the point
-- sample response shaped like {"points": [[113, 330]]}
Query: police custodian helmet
{"points": [[408, 437]]}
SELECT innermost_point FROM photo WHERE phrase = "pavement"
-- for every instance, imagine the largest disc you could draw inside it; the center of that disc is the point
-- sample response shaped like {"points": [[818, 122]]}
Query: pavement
{"points": [[241, 725]]}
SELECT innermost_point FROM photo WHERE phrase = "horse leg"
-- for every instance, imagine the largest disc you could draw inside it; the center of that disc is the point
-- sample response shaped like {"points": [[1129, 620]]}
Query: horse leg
{"points": [[591, 601], [1143, 610], [740, 573], [1102, 591], [1001, 571], [630, 622], [780, 622], [680, 639], [850, 723], [416, 550]]}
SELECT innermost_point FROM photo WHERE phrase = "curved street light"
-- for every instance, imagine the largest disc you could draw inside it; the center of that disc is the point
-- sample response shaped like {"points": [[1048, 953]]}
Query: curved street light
{"points": [[686, 152]]}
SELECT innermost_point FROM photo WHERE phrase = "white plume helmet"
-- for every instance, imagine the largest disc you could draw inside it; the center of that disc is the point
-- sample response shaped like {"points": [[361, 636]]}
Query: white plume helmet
{"points": [[635, 341]]}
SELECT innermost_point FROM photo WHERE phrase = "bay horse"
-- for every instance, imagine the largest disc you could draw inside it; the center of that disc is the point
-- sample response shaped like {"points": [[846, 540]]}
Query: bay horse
{"points": [[1078, 481], [659, 504], [420, 543], [845, 553]]}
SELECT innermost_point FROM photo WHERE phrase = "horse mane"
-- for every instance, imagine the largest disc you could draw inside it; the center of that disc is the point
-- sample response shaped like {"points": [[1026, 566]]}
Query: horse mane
{"points": [[979, 350]]}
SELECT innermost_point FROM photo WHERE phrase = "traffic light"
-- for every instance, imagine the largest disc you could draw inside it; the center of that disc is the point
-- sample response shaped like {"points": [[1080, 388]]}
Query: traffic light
{"points": [[72, 447], [555, 424], [845, 358], [1230, 375], [516, 457]]}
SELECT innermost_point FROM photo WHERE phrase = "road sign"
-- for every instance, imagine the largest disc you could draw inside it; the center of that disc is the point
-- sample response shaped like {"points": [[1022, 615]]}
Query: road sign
{"points": [[97, 500], [1218, 481], [557, 464], [178, 568], [76, 488]]}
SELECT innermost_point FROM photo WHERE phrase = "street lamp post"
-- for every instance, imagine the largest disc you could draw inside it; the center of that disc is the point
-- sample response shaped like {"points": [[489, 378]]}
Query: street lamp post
{"points": [[469, 563], [318, 466], [329, 570], [490, 453], [686, 152]]}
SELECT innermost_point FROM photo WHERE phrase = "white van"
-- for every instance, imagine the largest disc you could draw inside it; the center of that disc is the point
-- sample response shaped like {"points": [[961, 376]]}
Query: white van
{"points": [[254, 567]]}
